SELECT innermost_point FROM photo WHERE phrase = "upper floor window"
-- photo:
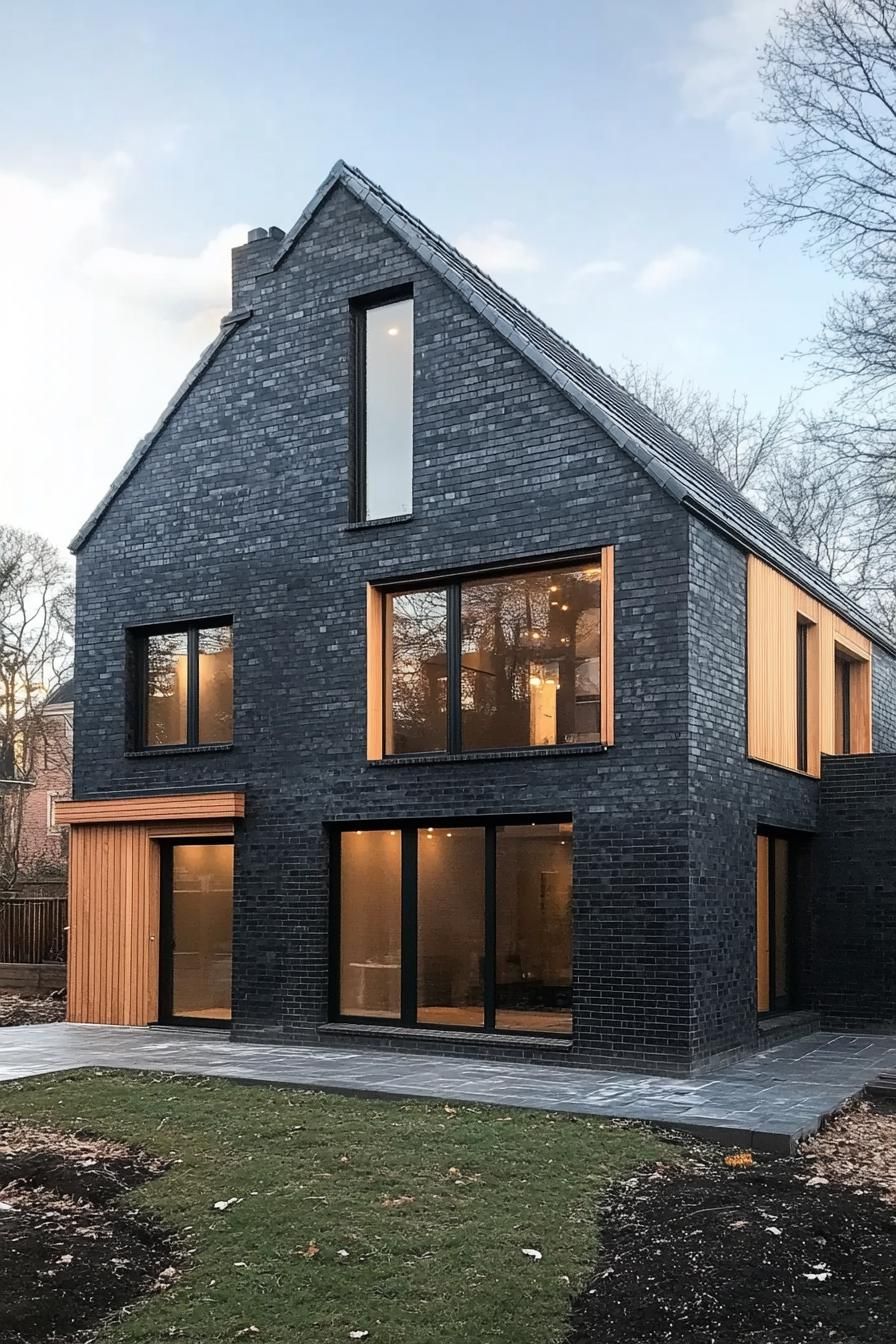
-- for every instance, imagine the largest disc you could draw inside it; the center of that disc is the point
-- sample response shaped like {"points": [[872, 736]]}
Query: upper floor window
{"points": [[493, 663], [383, 415], [186, 685]]}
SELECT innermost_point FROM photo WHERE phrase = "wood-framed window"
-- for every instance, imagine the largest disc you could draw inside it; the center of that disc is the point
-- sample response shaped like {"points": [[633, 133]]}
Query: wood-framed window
{"points": [[851, 702], [517, 659], [454, 923], [184, 684], [808, 676], [382, 409]]}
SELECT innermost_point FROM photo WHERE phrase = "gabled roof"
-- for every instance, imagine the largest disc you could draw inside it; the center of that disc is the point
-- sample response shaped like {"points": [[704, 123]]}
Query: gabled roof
{"points": [[668, 458], [64, 694]]}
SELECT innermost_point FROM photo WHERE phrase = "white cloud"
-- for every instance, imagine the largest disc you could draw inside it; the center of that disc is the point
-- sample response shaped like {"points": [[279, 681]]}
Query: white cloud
{"points": [[94, 338], [598, 268], [718, 69], [670, 268], [497, 248]]}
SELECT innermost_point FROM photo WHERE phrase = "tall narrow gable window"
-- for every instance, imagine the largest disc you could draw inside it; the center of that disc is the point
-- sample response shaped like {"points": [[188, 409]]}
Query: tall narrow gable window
{"points": [[383, 414]]}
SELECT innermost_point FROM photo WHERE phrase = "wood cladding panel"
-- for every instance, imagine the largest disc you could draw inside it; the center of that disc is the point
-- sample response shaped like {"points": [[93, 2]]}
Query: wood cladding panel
{"points": [[113, 960], [774, 607], [159, 807]]}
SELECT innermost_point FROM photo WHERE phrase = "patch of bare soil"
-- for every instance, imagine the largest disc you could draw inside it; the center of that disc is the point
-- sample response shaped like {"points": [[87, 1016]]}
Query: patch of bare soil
{"points": [[17, 1010], [70, 1256], [791, 1251]]}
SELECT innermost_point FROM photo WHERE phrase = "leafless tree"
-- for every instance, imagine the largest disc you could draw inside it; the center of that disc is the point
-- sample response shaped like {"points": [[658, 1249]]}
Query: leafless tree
{"points": [[828, 70], [739, 440], [36, 610]]}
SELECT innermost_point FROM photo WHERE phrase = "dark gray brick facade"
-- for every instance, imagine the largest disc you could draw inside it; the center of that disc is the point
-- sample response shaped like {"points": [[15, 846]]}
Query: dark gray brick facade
{"points": [[854, 924], [241, 508]]}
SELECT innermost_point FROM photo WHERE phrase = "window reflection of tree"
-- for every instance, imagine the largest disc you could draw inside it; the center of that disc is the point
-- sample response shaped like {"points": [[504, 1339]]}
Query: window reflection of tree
{"points": [[166, 687], [530, 651], [216, 684], [419, 670]]}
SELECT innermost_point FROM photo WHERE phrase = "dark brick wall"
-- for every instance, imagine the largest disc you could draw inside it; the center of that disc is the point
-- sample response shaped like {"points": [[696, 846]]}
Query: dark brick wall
{"points": [[854, 924], [729, 796], [241, 507], [883, 701]]}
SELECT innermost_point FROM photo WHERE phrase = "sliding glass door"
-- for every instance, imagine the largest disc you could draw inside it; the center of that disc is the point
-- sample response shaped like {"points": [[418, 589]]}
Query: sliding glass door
{"points": [[464, 926]]}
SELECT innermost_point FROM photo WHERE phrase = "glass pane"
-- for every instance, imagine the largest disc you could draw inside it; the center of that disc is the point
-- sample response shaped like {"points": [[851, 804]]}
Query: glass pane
{"points": [[450, 926], [202, 910], [763, 932], [841, 706], [390, 397], [216, 684], [533, 982], [166, 689], [370, 924], [782, 921], [530, 660], [416, 671]]}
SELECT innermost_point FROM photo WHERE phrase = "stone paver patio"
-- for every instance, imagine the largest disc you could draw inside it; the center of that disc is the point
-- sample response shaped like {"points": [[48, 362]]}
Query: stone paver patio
{"points": [[768, 1101]]}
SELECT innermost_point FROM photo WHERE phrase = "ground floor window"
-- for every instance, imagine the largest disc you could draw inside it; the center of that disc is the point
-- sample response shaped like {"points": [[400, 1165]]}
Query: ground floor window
{"points": [[464, 926]]}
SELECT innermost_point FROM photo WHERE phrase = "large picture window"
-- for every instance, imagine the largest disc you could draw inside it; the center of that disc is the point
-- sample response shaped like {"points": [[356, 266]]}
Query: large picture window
{"points": [[185, 685], [464, 926], [494, 663], [383, 407]]}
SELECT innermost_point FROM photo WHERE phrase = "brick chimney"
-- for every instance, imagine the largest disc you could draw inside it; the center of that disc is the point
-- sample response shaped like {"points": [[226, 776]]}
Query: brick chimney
{"points": [[253, 259]]}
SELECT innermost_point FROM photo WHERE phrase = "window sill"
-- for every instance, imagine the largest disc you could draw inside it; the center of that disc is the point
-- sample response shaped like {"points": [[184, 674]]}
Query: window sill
{"points": [[378, 522], [511, 754], [147, 753], [447, 1035]]}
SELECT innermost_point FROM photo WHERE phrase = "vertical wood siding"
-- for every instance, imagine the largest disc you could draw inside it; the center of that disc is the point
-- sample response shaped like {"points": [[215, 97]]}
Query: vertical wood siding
{"points": [[774, 605], [113, 972]]}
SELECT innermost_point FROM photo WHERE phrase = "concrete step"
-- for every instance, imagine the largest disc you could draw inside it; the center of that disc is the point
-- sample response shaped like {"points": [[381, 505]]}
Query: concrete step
{"points": [[787, 1027]]}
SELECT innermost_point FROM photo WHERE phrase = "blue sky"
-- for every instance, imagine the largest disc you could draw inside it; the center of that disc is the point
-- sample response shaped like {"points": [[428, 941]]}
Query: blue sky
{"points": [[593, 156]]}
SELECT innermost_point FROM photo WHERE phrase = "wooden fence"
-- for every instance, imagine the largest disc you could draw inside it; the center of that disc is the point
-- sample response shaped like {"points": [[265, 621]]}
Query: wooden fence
{"points": [[33, 924]]}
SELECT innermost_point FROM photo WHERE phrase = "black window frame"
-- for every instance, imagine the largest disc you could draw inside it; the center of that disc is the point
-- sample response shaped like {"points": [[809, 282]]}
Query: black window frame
{"points": [[139, 637], [359, 307], [410, 836], [452, 585]]}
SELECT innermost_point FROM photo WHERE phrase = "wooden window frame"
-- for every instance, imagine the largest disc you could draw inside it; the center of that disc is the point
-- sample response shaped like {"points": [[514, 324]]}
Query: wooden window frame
{"points": [[358, 310], [857, 726], [378, 681], [139, 637]]}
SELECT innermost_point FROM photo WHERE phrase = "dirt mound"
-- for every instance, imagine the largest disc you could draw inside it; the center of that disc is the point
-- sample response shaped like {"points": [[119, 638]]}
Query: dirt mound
{"points": [[17, 1010], [70, 1256], [755, 1255]]}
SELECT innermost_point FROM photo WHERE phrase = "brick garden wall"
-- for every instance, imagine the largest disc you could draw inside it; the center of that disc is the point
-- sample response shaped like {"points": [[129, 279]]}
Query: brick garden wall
{"points": [[855, 893]]}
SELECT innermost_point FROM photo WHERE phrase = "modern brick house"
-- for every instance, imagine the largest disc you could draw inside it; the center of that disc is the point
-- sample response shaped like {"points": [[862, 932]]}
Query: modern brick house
{"points": [[441, 696]]}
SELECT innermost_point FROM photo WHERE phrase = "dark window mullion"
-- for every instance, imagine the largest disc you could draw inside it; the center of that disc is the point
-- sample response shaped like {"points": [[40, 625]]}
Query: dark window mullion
{"points": [[358, 429], [491, 920], [408, 926], [453, 656], [193, 686]]}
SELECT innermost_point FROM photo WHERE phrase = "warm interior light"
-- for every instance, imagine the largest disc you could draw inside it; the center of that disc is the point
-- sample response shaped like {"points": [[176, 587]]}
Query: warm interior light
{"points": [[391, 331], [535, 681], [565, 606]]}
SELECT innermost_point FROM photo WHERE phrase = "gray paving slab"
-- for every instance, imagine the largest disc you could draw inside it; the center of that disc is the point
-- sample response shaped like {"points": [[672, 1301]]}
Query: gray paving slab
{"points": [[773, 1098]]}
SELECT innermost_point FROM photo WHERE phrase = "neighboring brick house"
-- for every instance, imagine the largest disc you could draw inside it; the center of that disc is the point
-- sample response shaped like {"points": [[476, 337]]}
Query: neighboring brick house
{"points": [[437, 694], [43, 844]]}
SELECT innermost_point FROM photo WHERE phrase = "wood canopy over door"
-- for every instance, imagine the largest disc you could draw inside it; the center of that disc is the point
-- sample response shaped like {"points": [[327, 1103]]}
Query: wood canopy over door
{"points": [[789, 717], [114, 876]]}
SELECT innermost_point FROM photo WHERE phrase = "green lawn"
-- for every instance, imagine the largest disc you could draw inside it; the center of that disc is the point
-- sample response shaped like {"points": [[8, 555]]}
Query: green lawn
{"points": [[433, 1204]]}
